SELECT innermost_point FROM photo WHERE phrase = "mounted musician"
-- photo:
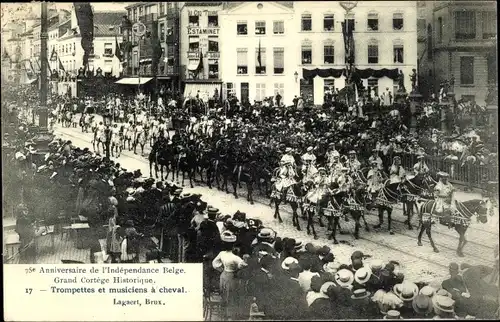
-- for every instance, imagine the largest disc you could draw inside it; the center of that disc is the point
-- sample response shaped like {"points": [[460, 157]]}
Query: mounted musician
{"points": [[420, 167], [321, 185], [443, 191], [353, 163], [345, 181], [332, 156], [376, 158], [396, 173], [375, 178], [309, 165], [287, 173]]}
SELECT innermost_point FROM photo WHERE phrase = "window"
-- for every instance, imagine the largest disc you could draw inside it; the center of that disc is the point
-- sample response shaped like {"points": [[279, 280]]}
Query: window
{"points": [[440, 30], [467, 70], [227, 90], [194, 21], [162, 8], [260, 62], [351, 22], [489, 24], [279, 60], [429, 42], [306, 54], [260, 27], [306, 22], [398, 54], [213, 21], [279, 88], [170, 51], [465, 25], [162, 31], [260, 92], [278, 27], [213, 43], [373, 54], [397, 21], [328, 54], [213, 69], [108, 49], [372, 22], [140, 12], [373, 85], [328, 22], [242, 61], [329, 86], [135, 14], [241, 28], [194, 43]]}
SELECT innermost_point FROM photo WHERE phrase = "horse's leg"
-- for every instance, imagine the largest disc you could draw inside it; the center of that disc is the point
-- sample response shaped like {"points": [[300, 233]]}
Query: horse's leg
{"points": [[235, 189], [409, 209], [336, 223], [320, 219], [277, 210], [367, 228], [389, 220], [461, 241], [429, 234], [356, 216], [191, 177], [250, 192], [224, 185], [295, 217], [423, 227], [380, 217], [311, 220]]}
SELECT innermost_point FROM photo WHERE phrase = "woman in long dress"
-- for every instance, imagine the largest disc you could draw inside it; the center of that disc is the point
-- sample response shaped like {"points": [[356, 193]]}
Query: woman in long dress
{"points": [[228, 264]]}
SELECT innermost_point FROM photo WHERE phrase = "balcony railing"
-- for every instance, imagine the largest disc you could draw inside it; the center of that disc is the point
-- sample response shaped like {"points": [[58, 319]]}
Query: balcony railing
{"points": [[149, 18]]}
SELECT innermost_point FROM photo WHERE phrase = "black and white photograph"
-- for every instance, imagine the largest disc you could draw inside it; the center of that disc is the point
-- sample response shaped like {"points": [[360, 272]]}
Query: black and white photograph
{"points": [[321, 160]]}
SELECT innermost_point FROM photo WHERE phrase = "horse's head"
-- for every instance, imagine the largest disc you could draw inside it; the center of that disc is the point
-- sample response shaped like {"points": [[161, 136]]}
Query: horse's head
{"points": [[484, 209]]}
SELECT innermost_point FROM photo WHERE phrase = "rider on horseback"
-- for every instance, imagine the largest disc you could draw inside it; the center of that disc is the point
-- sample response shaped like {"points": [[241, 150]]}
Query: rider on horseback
{"points": [[352, 163], [396, 172], [420, 167], [287, 172], [443, 191], [321, 185], [374, 177], [309, 165], [344, 181], [376, 158]]}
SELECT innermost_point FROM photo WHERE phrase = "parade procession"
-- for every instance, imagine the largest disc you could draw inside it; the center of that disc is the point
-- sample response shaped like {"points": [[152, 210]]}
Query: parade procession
{"points": [[356, 177]]}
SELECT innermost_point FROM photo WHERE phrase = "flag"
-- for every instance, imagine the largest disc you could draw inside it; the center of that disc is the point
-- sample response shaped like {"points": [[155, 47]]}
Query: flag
{"points": [[85, 18], [200, 65], [48, 67], [61, 67], [53, 56], [118, 52], [259, 57]]}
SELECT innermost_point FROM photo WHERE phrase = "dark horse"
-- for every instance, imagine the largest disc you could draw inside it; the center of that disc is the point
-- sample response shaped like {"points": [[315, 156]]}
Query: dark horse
{"points": [[185, 162], [161, 155], [418, 187], [386, 198], [460, 219], [330, 205], [291, 194]]}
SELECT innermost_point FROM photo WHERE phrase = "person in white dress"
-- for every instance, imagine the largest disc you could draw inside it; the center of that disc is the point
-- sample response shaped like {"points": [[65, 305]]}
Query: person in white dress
{"points": [[396, 173], [375, 158], [443, 191], [344, 180], [420, 167], [287, 172], [309, 164], [353, 163], [374, 176], [321, 185]]}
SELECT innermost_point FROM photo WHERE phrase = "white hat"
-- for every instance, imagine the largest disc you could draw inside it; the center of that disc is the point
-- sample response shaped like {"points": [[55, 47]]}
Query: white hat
{"points": [[19, 156], [376, 264], [344, 277], [309, 149], [288, 261], [362, 275], [406, 291], [288, 150]]}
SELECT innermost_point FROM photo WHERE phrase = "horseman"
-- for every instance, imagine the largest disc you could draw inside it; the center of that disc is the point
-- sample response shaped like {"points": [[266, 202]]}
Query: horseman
{"points": [[287, 172], [396, 172], [321, 185], [115, 134], [344, 181], [139, 130], [332, 156], [309, 165], [353, 163], [375, 178], [376, 158], [443, 191], [420, 167]]}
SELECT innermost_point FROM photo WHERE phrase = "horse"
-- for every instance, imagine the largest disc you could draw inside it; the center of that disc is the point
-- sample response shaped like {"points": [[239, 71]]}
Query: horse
{"points": [[99, 139], [418, 187], [185, 162], [245, 173], [327, 205], [140, 139], [387, 196], [116, 143], [127, 137], [459, 219], [161, 155], [292, 194], [204, 162]]}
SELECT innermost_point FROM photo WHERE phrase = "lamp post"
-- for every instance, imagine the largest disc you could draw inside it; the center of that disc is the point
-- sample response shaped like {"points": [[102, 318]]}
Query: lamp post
{"points": [[43, 136], [107, 131]]}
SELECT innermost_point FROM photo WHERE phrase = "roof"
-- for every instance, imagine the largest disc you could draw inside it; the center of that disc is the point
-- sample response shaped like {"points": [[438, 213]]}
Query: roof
{"points": [[104, 20], [231, 5], [202, 4]]}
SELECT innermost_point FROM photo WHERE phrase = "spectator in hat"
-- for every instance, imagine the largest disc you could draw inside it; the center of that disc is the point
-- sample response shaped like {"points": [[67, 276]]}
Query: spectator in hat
{"points": [[260, 285], [444, 307], [168, 220], [322, 306], [317, 261], [363, 307], [265, 238], [374, 283], [455, 285], [306, 275], [406, 291], [208, 240], [361, 277], [422, 307], [329, 270], [357, 260], [392, 315], [228, 264], [294, 305], [130, 244]]}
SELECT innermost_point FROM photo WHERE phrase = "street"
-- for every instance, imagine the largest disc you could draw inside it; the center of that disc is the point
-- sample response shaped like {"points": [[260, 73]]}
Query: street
{"points": [[418, 263]]}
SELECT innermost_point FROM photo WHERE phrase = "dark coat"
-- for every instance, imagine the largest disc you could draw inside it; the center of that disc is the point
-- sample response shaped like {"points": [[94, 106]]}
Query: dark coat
{"points": [[321, 309], [263, 247], [293, 306], [209, 237]]}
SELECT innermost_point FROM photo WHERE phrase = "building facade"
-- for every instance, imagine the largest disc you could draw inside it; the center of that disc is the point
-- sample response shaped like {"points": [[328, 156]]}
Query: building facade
{"points": [[199, 48], [462, 45], [385, 42], [259, 51]]}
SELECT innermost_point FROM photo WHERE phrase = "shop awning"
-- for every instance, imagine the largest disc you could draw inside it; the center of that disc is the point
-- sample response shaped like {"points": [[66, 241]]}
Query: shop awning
{"points": [[193, 64], [134, 81], [205, 90]]}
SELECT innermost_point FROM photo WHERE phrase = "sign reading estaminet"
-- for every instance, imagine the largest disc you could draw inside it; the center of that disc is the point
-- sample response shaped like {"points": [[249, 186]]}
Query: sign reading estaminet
{"points": [[130, 292]]}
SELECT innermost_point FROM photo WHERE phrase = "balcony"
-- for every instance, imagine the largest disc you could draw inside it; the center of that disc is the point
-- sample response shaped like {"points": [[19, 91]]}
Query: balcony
{"points": [[213, 55], [149, 18], [193, 54]]}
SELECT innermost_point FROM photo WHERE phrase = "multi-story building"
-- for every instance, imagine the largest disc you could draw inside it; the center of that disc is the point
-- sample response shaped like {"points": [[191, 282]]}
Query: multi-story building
{"points": [[259, 51], [462, 45], [385, 42], [168, 31], [199, 49]]}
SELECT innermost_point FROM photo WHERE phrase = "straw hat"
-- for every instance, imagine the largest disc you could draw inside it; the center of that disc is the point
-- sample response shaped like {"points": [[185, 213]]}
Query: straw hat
{"points": [[406, 291], [288, 150], [362, 275], [325, 286], [228, 237], [443, 304], [287, 262], [266, 233], [360, 294], [442, 174], [309, 149], [428, 291], [344, 277], [422, 304], [376, 264], [331, 267], [392, 315]]}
